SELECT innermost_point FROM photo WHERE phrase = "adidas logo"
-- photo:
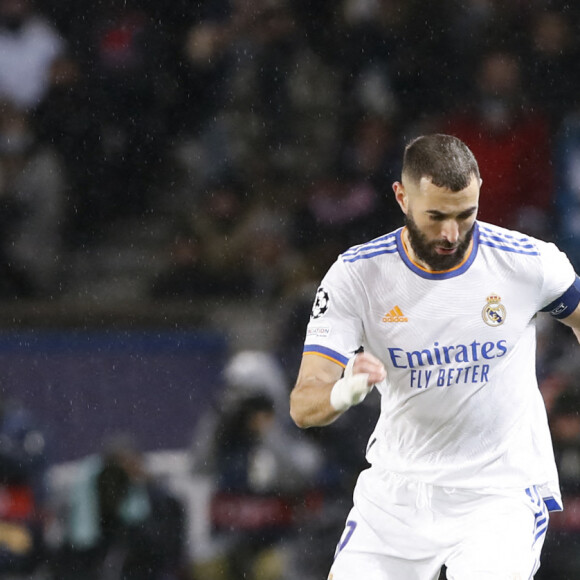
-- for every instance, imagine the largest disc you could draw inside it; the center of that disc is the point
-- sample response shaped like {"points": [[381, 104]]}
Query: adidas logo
{"points": [[395, 315]]}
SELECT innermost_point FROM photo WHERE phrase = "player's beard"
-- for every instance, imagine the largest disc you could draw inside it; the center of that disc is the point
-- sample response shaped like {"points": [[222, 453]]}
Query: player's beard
{"points": [[425, 249]]}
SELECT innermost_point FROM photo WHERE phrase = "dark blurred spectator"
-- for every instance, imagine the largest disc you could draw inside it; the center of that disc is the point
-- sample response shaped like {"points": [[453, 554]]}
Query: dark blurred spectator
{"points": [[120, 523], [219, 219], [258, 475], [369, 30], [471, 22], [550, 63], [335, 213], [480, 26], [29, 44], [67, 121], [264, 475], [232, 247], [239, 63], [561, 559], [250, 373], [511, 141], [224, 223], [276, 270], [204, 65], [122, 55], [32, 191], [392, 58], [567, 196], [369, 157], [369, 150], [237, 50], [553, 357], [190, 274], [23, 464]]}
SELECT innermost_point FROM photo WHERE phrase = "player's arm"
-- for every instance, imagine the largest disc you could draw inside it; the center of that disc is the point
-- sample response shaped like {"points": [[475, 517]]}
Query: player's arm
{"points": [[573, 321], [322, 393], [568, 302]]}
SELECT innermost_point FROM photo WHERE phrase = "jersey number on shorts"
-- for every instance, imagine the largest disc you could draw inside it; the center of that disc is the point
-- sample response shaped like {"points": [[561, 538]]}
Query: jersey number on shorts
{"points": [[346, 536]]}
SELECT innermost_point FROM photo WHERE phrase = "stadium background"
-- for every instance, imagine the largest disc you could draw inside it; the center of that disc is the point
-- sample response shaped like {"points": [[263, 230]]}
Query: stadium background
{"points": [[179, 175]]}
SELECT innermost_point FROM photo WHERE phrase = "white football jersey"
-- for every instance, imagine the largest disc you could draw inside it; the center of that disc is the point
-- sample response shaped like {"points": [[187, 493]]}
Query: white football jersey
{"points": [[460, 406]]}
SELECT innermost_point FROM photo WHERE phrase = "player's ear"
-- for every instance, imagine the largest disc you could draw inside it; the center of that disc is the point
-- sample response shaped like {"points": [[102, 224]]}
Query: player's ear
{"points": [[401, 196]]}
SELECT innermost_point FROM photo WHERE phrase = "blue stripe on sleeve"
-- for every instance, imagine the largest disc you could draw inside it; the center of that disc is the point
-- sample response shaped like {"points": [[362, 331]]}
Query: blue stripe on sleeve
{"points": [[567, 303], [326, 352]]}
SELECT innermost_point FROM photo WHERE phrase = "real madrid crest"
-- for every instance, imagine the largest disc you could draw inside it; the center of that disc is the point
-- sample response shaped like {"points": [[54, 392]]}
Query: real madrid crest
{"points": [[494, 312]]}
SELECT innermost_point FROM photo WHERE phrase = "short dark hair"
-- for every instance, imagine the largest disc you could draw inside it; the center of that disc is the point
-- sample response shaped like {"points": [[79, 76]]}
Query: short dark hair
{"points": [[444, 159]]}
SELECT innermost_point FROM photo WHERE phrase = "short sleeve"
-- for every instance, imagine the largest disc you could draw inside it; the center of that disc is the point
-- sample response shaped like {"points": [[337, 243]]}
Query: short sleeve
{"points": [[559, 276], [335, 328]]}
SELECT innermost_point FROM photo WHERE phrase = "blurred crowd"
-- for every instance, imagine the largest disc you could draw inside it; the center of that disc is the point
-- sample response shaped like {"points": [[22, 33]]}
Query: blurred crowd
{"points": [[265, 134], [261, 137]]}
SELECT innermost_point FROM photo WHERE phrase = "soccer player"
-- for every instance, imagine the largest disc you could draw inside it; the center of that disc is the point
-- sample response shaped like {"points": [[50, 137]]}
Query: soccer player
{"points": [[440, 317]]}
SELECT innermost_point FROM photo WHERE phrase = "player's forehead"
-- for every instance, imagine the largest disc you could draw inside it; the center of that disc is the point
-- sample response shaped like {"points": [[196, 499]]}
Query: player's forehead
{"points": [[430, 196]]}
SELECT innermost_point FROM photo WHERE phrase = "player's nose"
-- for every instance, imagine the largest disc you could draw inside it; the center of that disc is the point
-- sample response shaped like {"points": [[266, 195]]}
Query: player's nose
{"points": [[450, 231]]}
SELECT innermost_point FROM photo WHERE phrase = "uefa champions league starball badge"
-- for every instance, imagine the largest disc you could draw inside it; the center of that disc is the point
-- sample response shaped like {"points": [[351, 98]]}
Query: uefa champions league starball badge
{"points": [[494, 312], [320, 303]]}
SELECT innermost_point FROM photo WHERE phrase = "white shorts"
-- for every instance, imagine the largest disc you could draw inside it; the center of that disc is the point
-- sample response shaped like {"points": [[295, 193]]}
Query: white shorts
{"points": [[404, 530]]}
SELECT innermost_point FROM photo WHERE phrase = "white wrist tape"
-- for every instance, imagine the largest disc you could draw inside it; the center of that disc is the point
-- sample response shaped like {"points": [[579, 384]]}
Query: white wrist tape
{"points": [[350, 390]]}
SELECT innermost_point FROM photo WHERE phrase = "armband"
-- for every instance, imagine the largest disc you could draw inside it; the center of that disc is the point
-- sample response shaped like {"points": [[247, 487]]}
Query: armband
{"points": [[567, 303], [350, 390]]}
